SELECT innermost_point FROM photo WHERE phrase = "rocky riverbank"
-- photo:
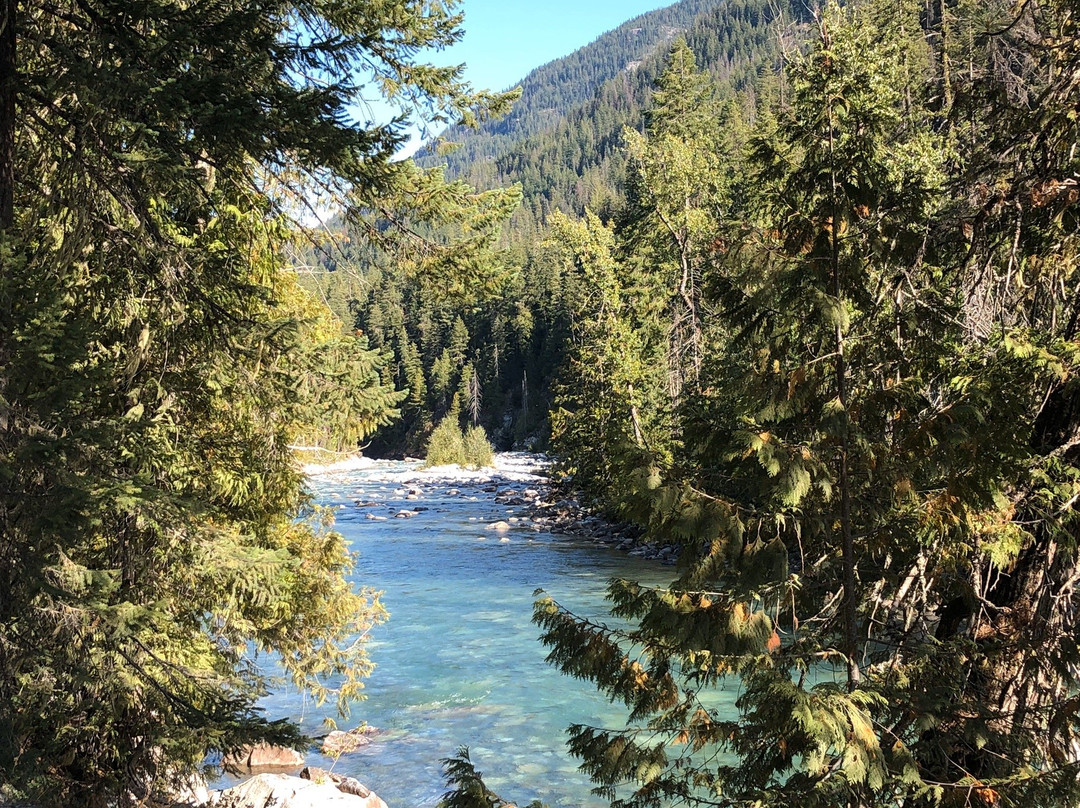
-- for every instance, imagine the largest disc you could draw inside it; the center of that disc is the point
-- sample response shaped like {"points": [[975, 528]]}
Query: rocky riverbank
{"points": [[566, 516], [314, 788], [519, 480]]}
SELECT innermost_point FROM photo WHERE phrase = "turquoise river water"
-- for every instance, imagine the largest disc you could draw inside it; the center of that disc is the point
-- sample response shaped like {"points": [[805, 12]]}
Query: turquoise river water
{"points": [[459, 662]]}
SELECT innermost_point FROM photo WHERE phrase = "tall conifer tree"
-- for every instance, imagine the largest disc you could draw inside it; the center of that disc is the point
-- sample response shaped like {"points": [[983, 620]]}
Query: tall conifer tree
{"points": [[879, 508], [156, 364]]}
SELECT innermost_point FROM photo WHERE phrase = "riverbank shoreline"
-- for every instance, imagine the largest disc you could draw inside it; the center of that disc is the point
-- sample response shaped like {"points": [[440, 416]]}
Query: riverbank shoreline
{"points": [[523, 479]]}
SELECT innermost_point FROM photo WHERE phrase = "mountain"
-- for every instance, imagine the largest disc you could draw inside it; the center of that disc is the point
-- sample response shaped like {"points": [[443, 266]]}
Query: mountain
{"points": [[562, 141], [563, 144], [549, 92]]}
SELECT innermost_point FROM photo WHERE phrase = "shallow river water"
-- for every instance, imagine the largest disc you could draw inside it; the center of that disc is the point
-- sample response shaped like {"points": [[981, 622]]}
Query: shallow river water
{"points": [[458, 663]]}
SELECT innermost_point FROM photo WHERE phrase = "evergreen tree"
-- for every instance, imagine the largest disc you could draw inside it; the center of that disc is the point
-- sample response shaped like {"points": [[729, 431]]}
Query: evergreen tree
{"points": [[610, 399], [156, 364], [446, 445], [412, 373], [878, 512], [678, 201]]}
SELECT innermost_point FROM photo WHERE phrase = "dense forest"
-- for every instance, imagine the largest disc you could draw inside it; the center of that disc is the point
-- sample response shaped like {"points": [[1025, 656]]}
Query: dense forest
{"points": [[493, 356], [159, 359], [826, 340], [789, 285]]}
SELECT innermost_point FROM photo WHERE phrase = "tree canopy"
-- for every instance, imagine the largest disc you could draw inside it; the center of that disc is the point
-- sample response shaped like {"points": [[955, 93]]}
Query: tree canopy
{"points": [[157, 359], [873, 473]]}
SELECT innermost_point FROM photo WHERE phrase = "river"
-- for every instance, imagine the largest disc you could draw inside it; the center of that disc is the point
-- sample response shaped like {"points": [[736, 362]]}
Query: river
{"points": [[458, 663]]}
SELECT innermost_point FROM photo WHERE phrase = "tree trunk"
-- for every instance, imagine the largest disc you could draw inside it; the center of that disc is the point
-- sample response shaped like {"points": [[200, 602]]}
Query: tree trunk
{"points": [[850, 602], [1021, 617], [1035, 601], [7, 114]]}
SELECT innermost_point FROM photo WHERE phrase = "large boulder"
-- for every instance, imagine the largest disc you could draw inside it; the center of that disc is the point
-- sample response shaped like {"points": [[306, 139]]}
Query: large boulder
{"points": [[286, 791], [263, 756]]}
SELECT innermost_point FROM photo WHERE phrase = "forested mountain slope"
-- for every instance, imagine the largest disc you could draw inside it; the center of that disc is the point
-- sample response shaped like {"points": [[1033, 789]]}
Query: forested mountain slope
{"points": [[562, 141], [549, 92], [564, 147]]}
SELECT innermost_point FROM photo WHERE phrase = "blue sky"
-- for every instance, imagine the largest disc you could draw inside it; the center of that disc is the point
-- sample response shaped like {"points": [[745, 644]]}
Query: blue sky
{"points": [[505, 39]]}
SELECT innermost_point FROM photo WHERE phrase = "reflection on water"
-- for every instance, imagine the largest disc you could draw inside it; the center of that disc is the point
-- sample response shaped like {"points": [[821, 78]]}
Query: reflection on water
{"points": [[459, 663]]}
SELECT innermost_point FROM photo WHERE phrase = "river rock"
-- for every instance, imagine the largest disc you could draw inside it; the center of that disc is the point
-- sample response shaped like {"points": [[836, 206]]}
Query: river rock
{"points": [[499, 527], [263, 756], [342, 743], [346, 785], [285, 791]]}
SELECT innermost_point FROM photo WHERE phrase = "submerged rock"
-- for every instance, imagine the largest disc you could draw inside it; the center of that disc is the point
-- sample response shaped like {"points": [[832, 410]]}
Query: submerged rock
{"points": [[342, 743]]}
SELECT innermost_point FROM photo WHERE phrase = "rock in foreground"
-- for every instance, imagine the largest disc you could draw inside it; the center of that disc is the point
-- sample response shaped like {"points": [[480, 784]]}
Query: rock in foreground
{"points": [[285, 791], [347, 785]]}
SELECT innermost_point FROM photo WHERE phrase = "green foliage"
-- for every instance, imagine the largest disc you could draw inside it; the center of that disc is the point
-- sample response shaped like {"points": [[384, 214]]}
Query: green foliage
{"points": [[467, 789], [562, 145], [446, 446], [562, 141], [478, 450], [873, 476], [157, 361]]}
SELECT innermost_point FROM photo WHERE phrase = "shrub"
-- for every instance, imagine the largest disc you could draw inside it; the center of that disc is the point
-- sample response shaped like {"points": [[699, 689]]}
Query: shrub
{"points": [[446, 445], [478, 450]]}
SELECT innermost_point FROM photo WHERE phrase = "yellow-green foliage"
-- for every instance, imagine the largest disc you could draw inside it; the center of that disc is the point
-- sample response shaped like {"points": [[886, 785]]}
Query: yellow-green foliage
{"points": [[478, 451], [155, 532], [447, 445]]}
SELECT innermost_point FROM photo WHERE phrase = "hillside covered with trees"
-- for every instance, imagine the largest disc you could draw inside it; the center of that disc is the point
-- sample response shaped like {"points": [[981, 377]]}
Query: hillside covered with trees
{"points": [[492, 354], [830, 349]]}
